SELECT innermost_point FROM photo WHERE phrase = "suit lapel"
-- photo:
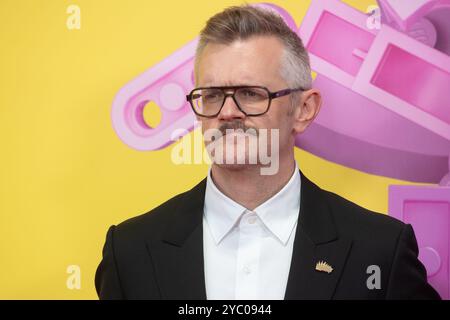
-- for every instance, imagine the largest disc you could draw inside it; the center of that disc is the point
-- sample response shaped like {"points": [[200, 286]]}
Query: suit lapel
{"points": [[316, 240], [178, 258], [179, 263]]}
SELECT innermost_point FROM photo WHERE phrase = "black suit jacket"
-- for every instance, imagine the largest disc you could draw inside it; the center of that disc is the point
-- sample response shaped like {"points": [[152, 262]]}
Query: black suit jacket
{"points": [[159, 255]]}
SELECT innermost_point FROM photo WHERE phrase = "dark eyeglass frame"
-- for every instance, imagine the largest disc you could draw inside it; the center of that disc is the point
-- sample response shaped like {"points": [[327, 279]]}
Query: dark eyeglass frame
{"points": [[270, 95]]}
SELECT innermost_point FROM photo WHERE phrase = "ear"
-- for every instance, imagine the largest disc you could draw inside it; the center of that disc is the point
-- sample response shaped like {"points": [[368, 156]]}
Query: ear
{"points": [[306, 110]]}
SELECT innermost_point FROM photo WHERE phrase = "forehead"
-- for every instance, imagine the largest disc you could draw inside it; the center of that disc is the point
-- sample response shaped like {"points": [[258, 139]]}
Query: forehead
{"points": [[253, 61]]}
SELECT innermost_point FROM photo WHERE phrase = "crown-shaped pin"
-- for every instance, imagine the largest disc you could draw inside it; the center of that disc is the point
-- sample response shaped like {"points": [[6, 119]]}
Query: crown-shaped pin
{"points": [[323, 266]]}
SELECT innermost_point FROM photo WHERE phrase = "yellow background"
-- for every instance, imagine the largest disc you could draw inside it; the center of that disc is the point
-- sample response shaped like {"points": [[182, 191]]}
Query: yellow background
{"points": [[65, 176]]}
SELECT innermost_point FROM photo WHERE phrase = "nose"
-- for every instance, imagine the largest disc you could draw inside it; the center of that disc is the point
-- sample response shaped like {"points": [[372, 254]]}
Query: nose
{"points": [[230, 110]]}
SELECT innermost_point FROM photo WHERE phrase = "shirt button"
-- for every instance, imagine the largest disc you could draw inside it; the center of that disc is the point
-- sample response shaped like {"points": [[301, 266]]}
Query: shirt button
{"points": [[252, 220]]}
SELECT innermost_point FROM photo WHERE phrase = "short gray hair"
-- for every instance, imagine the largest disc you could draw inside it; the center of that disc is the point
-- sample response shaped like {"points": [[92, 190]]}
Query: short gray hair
{"points": [[242, 22]]}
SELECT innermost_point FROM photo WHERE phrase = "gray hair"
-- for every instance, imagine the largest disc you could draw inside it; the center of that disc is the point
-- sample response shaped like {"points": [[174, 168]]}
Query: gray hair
{"points": [[242, 22]]}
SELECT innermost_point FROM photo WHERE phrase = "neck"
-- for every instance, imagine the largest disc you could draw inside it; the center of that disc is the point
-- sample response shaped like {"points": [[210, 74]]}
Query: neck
{"points": [[247, 186]]}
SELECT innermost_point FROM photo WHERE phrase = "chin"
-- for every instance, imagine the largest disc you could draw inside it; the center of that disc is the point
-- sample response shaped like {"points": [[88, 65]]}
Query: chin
{"points": [[236, 167]]}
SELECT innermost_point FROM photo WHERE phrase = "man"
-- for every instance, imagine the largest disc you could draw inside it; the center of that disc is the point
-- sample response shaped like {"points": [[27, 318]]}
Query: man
{"points": [[243, 233]]}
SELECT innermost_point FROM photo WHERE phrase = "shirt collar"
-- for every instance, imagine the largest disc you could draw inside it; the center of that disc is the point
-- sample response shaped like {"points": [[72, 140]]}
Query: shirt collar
{"points": [[279, 213], [221, 212]]}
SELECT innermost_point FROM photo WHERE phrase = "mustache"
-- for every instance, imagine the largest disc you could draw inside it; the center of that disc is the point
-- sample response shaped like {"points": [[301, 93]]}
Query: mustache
{"points": [[235, 125]]}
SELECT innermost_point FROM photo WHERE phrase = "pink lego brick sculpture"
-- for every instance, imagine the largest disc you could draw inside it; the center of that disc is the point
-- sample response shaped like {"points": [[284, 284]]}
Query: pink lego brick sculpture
{"points": [[427, 209], [165, 84], [384, 96]]}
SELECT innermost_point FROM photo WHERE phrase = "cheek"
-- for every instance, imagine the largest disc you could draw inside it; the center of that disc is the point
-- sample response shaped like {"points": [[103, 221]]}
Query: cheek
{"points": [[279, 118], [285, 124]]}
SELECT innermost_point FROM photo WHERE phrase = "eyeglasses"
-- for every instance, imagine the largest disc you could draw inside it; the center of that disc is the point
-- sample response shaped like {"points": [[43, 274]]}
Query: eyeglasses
{"points": [[251, 100]]}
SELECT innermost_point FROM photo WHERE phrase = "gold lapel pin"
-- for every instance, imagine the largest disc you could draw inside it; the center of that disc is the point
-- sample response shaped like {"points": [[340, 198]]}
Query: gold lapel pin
{"points": [[323, 266]]}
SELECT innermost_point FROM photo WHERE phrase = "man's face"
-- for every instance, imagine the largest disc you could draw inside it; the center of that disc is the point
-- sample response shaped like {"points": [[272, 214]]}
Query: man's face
{"points": [[255, 61]]}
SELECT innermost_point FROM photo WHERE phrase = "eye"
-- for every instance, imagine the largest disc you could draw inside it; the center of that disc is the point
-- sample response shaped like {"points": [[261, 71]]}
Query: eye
{"points": [[252, 94], [210, 96], [249, 92]]}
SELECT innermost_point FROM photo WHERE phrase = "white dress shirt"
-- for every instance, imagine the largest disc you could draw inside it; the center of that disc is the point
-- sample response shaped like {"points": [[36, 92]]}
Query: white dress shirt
{"points": [[247, 253]]}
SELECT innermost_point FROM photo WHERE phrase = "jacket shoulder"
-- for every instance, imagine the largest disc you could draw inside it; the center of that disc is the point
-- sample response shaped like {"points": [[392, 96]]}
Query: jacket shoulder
{"points": [[151, 223], [355, 220]]}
